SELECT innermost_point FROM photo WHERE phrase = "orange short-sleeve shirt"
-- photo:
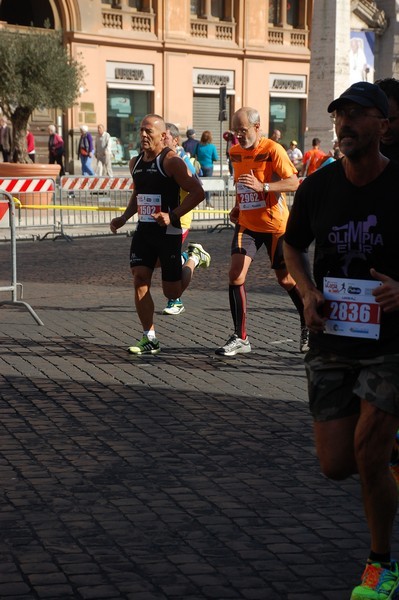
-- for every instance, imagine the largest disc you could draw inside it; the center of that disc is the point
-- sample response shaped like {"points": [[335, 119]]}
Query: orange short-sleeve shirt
{"points": [[269, 162]]}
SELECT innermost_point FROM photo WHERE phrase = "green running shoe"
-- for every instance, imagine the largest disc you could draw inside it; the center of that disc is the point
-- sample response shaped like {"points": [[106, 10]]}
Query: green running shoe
{"points": [[145, 346], [204, 258], [378, 583]]}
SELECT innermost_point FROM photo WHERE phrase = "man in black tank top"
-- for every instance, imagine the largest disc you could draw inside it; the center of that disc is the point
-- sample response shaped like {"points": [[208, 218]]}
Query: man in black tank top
{"points": [[158, 174]]}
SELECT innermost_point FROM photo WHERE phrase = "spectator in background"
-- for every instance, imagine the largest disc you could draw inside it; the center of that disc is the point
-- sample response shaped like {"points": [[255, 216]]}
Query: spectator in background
{"points": [[294, 154], [276, 136], [231, 140], [389, 144], [103, 152], [55, 149], [30, 144], [85, 150], [311, 158], [190, 144], [206, 154], [5, 139]]}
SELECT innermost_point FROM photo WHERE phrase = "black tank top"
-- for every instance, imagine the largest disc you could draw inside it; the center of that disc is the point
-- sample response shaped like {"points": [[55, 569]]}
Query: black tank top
{"points": [[150, 178]]}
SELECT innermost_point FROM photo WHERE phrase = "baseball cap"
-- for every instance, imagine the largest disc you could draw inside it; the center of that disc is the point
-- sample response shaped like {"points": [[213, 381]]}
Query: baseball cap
{"points": [[294, 143], [190, 132], [365, 94]]}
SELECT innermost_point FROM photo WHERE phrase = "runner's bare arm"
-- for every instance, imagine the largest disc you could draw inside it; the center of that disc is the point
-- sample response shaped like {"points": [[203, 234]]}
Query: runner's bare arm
{"points": [[387, 294], [297, 263], [289, 184]]}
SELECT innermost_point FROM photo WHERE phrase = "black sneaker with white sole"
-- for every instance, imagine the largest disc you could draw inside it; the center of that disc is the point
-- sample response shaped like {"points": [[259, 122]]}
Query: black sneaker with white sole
{"points": [[304, 340]]}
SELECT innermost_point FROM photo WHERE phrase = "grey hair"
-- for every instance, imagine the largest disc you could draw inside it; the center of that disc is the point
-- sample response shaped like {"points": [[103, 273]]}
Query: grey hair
{"points": [[252, 114], [51, 128], [174, 132]]}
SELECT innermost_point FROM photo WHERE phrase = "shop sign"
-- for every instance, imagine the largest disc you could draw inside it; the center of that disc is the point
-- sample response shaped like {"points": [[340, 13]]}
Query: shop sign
{"points": [[287, 84], [211, 79], [139, 74]]}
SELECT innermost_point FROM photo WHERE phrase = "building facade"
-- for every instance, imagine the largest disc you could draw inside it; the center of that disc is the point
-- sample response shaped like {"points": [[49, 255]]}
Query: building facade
{"points": [[172, 57], [352, 40]]}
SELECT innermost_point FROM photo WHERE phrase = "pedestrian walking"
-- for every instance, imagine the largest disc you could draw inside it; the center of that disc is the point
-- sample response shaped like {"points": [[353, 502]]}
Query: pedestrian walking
{"points": [[103, 152], [206, 154], [30, 145], [55, 148], [190, 144], [85, 150], [295, 155], [5, 139]]}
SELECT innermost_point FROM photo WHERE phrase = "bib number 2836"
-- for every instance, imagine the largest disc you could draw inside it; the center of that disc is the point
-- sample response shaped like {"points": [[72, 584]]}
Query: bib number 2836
{"points": [[350, 308]]}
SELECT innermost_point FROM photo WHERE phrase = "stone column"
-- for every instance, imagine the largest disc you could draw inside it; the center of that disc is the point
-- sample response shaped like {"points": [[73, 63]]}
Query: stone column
{"points": [[207, 9], [283, 13], [329, 67], [387, 45]]}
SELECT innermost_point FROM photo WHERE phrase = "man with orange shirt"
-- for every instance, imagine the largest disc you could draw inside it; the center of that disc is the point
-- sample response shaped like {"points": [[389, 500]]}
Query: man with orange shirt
{"points": [[262, 172], [311, 158]]}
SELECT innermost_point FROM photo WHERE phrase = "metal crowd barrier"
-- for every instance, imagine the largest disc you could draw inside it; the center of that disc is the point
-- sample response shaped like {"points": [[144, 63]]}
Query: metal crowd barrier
{"points": [[47, 209], [32, 191], [7, 202], [221, 200], [89, 202]]}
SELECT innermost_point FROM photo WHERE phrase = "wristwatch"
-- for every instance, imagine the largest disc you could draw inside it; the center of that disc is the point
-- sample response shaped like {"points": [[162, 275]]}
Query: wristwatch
{"points": [[266, 188]]}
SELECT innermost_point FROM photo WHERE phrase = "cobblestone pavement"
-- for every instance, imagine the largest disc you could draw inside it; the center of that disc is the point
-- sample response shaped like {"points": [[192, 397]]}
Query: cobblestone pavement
{"points": [[184, 476]]}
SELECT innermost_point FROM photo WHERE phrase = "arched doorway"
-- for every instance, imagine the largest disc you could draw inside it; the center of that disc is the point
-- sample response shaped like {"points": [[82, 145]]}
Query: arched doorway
{"points": [[27, 13], [41, 14]]}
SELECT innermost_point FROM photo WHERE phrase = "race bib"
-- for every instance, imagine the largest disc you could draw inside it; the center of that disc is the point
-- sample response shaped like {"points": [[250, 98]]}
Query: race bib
{"points": [[350, 308], [249, 199], [147, 206]]}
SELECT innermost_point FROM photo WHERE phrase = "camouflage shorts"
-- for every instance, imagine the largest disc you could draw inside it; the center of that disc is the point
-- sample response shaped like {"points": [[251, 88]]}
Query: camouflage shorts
{"points": [[336, 384]]}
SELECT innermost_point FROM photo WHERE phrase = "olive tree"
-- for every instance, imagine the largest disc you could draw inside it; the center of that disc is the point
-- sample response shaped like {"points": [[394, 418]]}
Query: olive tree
{"points": [[36, 72]]}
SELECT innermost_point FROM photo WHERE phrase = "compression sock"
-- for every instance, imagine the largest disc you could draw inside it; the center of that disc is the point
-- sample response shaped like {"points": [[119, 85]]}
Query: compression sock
{"points": [[383, 559], [238, 307], [297, 300]]}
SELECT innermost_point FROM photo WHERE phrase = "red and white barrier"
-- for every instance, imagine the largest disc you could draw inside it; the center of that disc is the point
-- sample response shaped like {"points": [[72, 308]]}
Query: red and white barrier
{"points": [[73, 184], [15, 186], [3, 208]]}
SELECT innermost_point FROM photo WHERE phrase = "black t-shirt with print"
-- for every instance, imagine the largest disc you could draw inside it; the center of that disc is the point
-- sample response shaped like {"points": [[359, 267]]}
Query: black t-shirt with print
{"points": [[354, 228]]}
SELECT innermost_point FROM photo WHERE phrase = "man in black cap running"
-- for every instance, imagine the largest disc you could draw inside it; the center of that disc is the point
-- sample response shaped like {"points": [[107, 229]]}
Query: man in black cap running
{"points": [[350, 210]]}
